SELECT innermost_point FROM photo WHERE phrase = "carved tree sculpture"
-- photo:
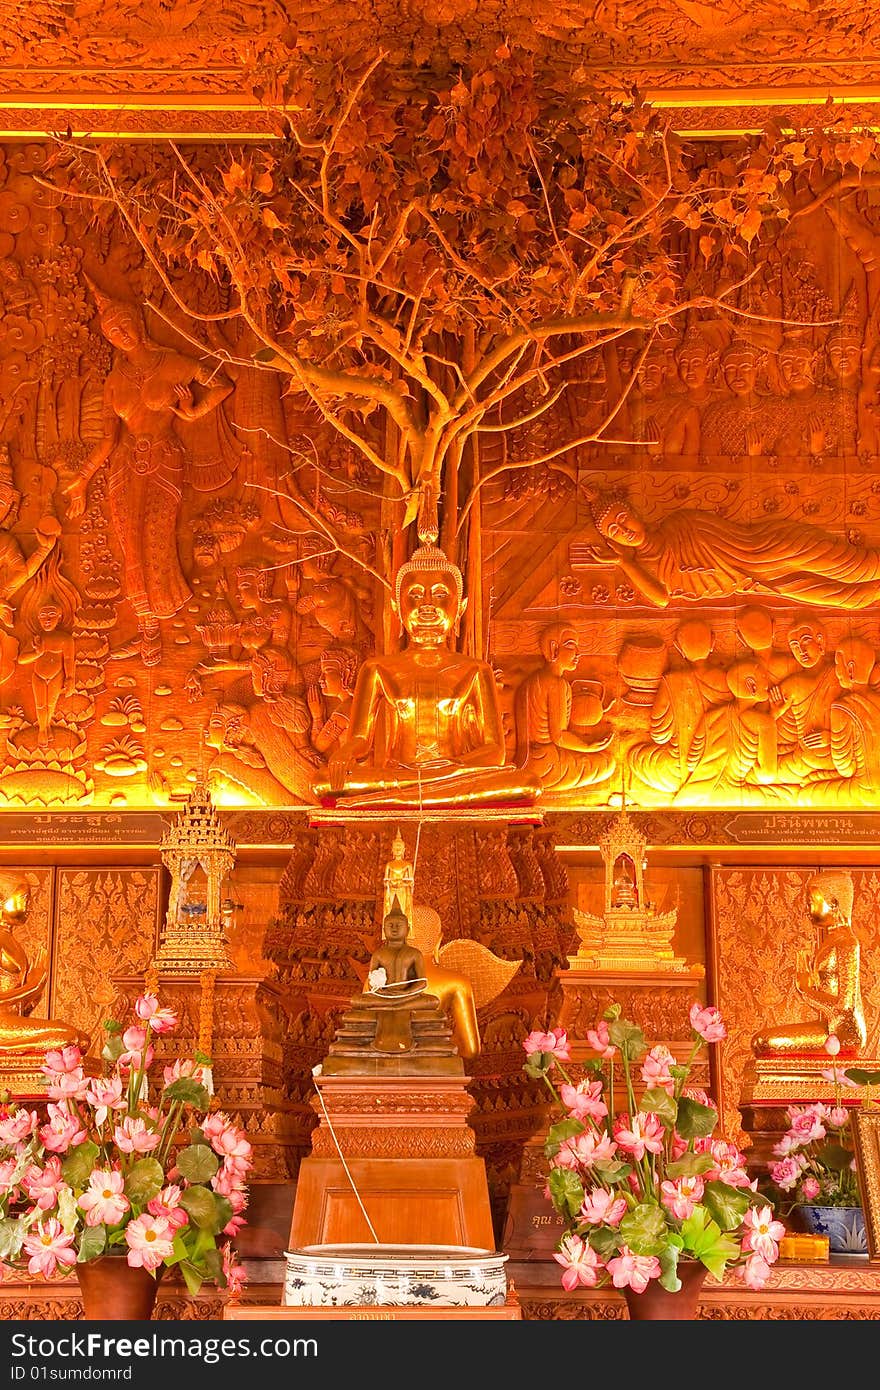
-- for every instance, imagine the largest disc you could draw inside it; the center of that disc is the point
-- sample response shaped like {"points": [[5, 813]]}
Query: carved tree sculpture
{"points": [[433, 261]]}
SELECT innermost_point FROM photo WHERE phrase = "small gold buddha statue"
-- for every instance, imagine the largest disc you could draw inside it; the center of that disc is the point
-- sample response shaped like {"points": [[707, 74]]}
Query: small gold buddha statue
{"points": [[425, 724], [454, 990], [21, 984], [398, 880], [624, 889], [830, 983]]}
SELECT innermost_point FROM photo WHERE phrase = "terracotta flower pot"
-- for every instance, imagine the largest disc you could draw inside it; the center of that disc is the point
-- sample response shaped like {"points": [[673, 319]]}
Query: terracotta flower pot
{"points": [[658, 1303], [113, 1291]]}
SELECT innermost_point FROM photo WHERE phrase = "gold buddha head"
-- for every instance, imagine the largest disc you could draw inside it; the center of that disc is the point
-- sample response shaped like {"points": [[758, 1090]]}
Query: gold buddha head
{"points": [[617, 520], [830, 897], [428, 596]]}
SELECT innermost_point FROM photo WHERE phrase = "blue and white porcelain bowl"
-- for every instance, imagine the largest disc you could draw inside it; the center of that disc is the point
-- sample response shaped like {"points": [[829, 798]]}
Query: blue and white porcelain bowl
{"points": [[447, 1276], [844, 1227]]}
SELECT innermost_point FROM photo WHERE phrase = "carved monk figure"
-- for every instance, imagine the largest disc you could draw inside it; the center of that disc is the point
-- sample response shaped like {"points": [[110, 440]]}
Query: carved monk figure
{"points": [[684, 695], [548, 748], [149, 390], [694, 555], [854, 730], [809, 692], [425, 722], [21, 984], [735, 742], [830, 984]]}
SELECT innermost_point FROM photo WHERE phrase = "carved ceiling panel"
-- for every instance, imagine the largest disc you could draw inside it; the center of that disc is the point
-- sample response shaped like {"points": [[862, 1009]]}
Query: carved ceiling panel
{"points": [[162, 57]]}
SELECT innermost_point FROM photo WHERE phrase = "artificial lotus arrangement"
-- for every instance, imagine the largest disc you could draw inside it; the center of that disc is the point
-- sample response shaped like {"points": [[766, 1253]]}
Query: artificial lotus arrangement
{"points": [[643, 1187], [106, 1173]]}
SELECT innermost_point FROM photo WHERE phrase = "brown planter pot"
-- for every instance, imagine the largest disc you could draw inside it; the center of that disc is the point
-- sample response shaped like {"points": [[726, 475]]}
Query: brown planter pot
{"points": [[657, 1303], [113, 1291]]}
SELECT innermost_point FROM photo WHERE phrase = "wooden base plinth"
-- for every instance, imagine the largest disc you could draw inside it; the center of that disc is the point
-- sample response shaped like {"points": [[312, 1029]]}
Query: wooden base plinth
{"points": [[410, 1153], [509, 1311]]}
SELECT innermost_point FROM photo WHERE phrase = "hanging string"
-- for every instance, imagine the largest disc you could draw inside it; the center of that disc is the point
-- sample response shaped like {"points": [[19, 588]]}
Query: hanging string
{"points": [[316, 1072]]}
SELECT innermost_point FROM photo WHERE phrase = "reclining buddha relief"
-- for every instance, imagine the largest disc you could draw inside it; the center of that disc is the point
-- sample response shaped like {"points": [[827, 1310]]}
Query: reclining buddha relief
{"points": [[198, 576]]}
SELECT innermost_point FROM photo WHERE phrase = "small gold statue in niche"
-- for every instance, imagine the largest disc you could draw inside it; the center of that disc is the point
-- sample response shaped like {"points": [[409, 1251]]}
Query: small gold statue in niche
{"points": [[24, 1039], [829, 982]]}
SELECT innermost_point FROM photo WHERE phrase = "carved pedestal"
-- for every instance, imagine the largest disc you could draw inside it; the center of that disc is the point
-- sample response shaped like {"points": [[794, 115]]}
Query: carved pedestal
{"points": [[248, 1021], [494, 879], [410, 1153]]}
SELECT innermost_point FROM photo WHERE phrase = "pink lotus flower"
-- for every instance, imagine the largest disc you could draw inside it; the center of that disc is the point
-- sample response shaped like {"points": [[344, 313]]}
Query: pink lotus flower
{"points": [[837, 1076], [133, 1136], [49, 1246], [810, 1189], [59, 1061], [786, 1146], [68, 1085], [837, 1117], [7, 1167], [182, 1067], [15, 1129], [105, 1095], [150, 1241], [43, 1185], [238, 1201], [148, 1011], [729, 1164], [806, 1125], [832, 1044], [104, 1201], [598, 1040], [762, 1233], [580, 1263], [707, 1023], [552, 1044], [680, 1197], [225, 1182], [235, 1275], [639, 1134], [62, 1130], [601, 1207], [227, 1140], [655, 1068], [633, 1271], [584, 1150], [787, 1173], [584, 1101], [755, 1272], [136, 1053], [166, 1205]]}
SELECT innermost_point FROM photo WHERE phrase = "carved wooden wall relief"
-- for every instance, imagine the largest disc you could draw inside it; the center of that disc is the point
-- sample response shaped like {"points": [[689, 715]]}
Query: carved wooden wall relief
{"points": [[691, 611]]}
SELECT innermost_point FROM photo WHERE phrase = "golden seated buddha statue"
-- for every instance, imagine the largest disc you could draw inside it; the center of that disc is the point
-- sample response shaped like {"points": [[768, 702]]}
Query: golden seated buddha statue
{"points": [[441, 741], [24, 1039], [830, 982]]}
